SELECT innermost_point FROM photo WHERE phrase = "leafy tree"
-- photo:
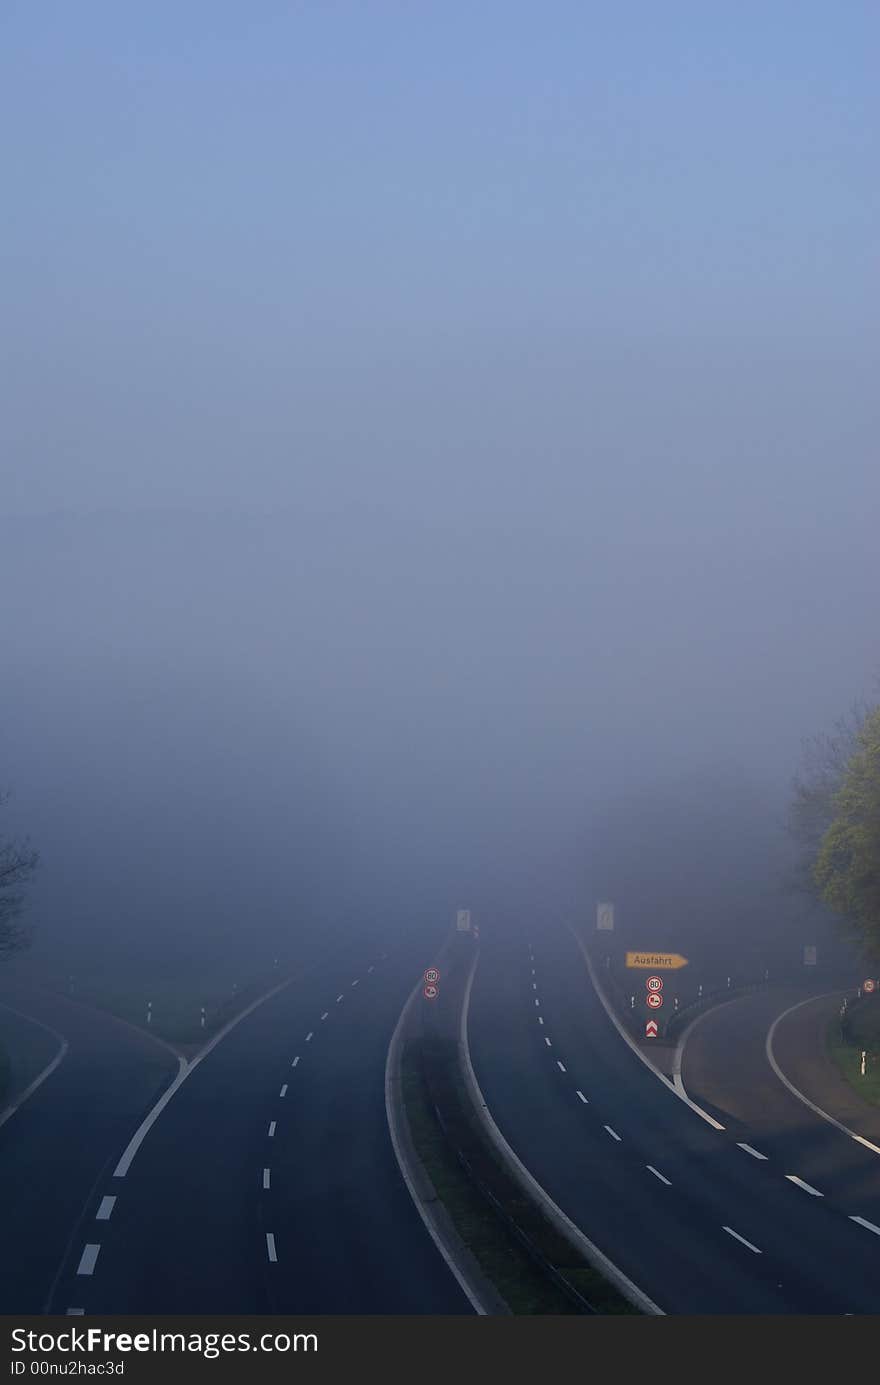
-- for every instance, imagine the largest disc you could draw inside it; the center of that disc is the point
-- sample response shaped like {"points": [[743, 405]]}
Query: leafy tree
{"points": [[847, 868], [18, 861], [823, 765]]}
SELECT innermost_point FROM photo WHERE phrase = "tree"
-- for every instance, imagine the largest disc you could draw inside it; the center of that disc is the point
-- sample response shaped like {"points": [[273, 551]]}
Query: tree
{"points": [[18, 861], [824, 761], [847, 868]]}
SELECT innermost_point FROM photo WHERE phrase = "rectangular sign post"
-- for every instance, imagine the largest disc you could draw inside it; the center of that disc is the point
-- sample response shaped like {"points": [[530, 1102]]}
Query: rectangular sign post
{"points": [[605, 916], [810, 956], [656, 961]]}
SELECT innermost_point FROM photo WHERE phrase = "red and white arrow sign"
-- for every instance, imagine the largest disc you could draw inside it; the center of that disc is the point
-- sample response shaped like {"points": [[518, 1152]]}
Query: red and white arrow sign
{"points": [[651, 1029]]}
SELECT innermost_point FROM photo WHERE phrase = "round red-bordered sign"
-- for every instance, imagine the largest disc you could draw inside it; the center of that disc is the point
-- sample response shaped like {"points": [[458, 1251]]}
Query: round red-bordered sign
{"points": [[654, 983], [869, 986], [432, 976], [654, 1000], [431, 992]]}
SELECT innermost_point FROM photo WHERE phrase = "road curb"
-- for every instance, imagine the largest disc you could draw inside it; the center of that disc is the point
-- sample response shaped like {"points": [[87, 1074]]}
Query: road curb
{"points": [[481, 1294]]}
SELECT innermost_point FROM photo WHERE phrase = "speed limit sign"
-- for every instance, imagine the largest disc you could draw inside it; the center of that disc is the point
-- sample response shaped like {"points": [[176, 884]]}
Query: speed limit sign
{"points": [[654, 983]]}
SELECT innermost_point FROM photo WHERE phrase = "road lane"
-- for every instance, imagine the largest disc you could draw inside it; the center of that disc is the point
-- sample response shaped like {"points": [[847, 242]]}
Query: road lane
{"points": [[717, 1232], [725, 1067], [59, 1143], [244, 1200]]}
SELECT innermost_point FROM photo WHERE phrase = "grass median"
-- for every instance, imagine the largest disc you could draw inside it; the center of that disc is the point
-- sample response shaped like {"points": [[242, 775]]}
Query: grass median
{"points": [[484, 1212]]}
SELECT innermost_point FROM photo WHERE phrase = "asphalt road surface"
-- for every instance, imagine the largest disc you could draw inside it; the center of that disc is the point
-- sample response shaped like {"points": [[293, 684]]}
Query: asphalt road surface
{"points": [[696, 1220], [268, 1182], [56, 1149], [725, 1067]]}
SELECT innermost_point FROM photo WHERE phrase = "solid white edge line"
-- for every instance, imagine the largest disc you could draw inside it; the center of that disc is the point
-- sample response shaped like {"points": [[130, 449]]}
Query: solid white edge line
{"points": [[392, 1074], [868, 1225], [735, 1234], [270, 1248], [749, 1149], [63, 1046], [105, 1211], [566, 1227], [817, 1110], [628, 1039], [186, 1068], [807, 1187], [658, 1174], [88, 1259]]}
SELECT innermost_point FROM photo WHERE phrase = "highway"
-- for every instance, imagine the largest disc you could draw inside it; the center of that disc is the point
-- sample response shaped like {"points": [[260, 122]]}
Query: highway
{"points": [[692, 1216], [58, 1146], [725, 1067], [268, 1183]]}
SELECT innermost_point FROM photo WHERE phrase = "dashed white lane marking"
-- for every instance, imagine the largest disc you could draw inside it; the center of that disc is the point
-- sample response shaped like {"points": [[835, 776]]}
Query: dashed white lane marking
{"points": [[737, 1237], [868, 1225], [283, 1091], [534, 985], [325, 1014], [658, 1174], [295, 1061], [267, 1176], [755, 1153], [104, 1212], [271, 1129], [270, 1247], [75, 1313], [309, 1036], [561, 1066], [87, 1259], [547, 1042], [540, 1020], [582, 1097], [613, 1133], [799, 1183], [537, 1001], [339, 998], [354, 983], [369, 968], [860, 1139]]}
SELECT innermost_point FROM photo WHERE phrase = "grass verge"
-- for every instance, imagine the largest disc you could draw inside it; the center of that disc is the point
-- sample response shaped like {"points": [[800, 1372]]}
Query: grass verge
{"points": [[846, 1040], [431, 1081]]}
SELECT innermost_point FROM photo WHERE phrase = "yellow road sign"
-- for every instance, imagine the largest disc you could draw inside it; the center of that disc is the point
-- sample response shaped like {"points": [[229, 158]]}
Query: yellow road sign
{"points": [[656, 961]]}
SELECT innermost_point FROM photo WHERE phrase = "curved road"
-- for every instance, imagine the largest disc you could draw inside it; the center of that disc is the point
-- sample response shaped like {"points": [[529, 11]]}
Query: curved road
{"points": [[268, 1183], [725, 1067], [694, 1219]]}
